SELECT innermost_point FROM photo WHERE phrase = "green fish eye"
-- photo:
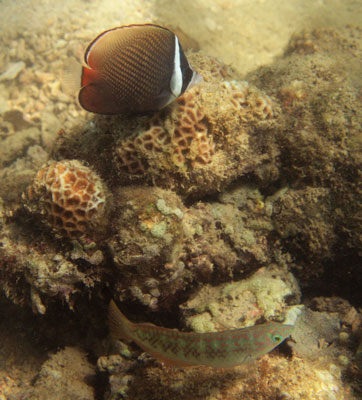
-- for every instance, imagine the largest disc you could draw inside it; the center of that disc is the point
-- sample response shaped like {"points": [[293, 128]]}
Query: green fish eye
{"points": [[277, 338]]}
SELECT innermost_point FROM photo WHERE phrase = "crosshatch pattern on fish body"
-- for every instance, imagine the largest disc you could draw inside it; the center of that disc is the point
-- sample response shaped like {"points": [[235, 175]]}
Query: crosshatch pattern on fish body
{"points": [[134, 69]]}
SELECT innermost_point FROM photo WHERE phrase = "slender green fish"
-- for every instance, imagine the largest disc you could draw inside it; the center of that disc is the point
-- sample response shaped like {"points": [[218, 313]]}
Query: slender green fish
{"points": [[215, 349]]}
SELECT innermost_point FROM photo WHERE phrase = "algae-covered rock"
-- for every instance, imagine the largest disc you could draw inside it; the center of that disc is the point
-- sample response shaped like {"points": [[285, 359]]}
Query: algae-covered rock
{"points": [[305, 219], [15, 178], [32, 276], [265, 295], [274, 377], [146, 241], [318, 87]]}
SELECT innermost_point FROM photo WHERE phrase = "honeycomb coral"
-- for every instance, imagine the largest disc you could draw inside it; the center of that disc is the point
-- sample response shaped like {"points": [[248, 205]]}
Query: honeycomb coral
{"points": [[249, 102], [205, 139], [190, 138], [188, 143], [70, 194]]}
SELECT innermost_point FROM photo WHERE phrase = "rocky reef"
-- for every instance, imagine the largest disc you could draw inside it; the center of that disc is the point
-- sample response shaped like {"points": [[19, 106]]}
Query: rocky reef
{"points": [[210, 136], [236, 202]]}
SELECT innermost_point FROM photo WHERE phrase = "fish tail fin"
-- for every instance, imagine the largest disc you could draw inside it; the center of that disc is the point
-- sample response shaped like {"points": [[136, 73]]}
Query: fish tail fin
{"points": [[70, 77], [119, 325]]}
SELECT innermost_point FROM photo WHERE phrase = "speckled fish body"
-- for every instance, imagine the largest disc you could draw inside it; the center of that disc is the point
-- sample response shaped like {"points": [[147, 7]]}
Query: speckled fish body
{"points": [[215, 349], [134, 69]]}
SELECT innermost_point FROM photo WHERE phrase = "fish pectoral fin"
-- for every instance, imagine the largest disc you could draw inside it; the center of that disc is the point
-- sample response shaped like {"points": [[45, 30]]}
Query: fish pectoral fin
{"points": [[97, 98]]}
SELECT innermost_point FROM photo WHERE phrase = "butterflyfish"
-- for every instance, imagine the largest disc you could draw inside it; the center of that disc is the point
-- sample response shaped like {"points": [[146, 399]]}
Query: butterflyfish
{"points": [[134, 69], [215, 349]]}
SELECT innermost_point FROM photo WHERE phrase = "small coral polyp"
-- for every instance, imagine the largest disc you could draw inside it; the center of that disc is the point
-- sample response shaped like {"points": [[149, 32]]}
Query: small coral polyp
{"points": [[71, 195], [252, 101]]}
